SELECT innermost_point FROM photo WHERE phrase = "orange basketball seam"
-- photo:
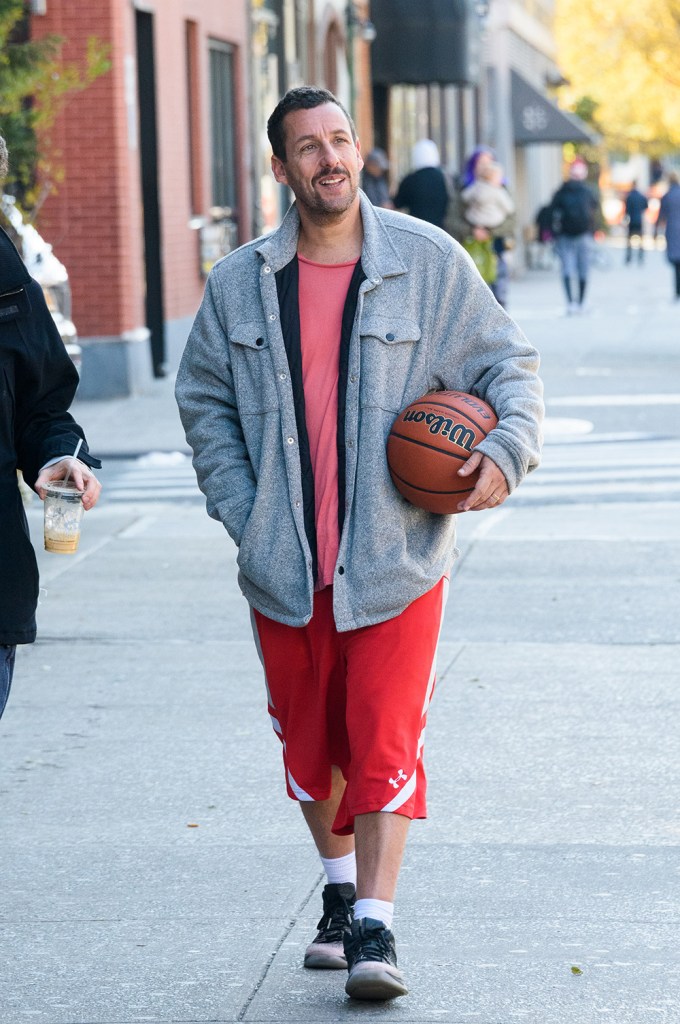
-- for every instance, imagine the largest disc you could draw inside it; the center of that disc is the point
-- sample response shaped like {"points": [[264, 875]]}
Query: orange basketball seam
{"points": [[432, 447], [427, 490]]}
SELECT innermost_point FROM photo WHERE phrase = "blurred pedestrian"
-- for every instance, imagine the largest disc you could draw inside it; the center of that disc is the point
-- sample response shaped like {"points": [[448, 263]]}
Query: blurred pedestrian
{"points": [[374, 179], [481, 175], [668, 223], [37, 434], [486, 203], [307, 343], [636, 204], [424, 192], [574, 208]]}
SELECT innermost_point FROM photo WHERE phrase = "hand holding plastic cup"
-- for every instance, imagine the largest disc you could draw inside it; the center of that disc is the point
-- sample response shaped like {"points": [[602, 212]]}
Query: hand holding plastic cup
{"points": [[63, 505], [63, 516]]}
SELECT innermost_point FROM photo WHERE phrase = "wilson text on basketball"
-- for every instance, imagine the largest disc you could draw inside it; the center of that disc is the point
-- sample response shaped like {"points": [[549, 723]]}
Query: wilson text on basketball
{"points": [[456, 433]]}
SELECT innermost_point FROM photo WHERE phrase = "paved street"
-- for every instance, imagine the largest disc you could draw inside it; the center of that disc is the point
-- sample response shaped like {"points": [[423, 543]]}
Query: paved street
{"points": [[152, 867]]}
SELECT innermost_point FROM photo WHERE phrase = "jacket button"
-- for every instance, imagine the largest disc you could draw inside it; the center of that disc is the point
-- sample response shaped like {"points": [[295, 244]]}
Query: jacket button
{"points": [[389, 337], [353, 378], [267, 270], [350, 443], [259, 341], [341, 570], [290, 440], [273, 316], [282, 376]]}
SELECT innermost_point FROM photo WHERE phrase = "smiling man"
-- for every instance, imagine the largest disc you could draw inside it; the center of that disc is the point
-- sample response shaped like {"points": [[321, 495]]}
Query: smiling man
{"points": [[307, 345]]}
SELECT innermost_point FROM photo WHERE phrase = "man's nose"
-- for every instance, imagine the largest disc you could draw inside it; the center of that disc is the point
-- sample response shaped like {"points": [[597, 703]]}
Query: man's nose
{"points": [[328, 153]]}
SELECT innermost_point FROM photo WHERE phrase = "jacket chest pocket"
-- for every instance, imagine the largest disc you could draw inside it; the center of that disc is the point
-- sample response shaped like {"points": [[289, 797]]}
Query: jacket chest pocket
{"points": [[253, 369], [389, 353]]}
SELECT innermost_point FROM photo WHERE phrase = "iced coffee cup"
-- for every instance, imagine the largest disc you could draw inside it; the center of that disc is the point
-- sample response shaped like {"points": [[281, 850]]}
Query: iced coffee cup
{"points": [[63, 516]]}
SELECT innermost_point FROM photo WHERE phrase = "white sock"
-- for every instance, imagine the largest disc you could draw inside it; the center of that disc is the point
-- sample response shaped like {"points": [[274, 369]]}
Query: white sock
{"points": [[341, 869], [379, 910]]}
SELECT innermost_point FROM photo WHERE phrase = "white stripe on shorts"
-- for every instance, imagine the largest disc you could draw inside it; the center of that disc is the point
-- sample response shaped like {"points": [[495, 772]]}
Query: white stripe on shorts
{"points": [[276, 725], [400, 798], [403, 795], [298, 790], [433, 670], [258, 647]]}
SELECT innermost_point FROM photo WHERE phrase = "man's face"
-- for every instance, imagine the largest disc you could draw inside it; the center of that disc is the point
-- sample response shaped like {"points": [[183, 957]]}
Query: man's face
{"points": [[322, 161]]}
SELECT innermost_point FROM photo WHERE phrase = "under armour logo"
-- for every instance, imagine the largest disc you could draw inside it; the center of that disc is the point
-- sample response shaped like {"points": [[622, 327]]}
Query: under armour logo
{"points": [[401, 777]]}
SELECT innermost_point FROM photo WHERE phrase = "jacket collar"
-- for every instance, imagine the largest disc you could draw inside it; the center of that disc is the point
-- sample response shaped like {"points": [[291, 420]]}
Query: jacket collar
{"points": [[379, 258]]}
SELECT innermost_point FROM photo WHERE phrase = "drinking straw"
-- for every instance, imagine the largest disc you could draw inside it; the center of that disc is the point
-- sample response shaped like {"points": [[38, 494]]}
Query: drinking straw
{"points": [[74, 456]]}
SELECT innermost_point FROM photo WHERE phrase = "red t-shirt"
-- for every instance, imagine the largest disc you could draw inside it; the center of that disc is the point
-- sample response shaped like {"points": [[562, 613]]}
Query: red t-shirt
{"points": [[322, 291]]}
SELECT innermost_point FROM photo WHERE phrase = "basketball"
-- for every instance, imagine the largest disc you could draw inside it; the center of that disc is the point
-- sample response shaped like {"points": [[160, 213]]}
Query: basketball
{"points": [[429, 442]]}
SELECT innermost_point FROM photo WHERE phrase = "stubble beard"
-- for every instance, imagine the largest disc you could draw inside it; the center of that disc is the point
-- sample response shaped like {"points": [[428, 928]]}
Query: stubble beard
{"points": [[324, 210]]}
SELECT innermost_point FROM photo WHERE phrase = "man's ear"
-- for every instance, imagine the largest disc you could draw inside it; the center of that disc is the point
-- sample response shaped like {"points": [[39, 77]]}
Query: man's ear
{"points": [[359, 156], [279, 170]]}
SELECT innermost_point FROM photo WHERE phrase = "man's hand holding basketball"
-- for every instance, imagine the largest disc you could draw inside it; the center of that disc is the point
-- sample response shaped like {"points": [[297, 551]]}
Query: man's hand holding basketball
{"points": [[491, 490]]}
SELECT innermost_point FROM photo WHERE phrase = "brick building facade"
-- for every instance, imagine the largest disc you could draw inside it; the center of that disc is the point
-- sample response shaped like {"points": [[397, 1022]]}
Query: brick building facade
{"points": [[148, 151], [165, 159]]}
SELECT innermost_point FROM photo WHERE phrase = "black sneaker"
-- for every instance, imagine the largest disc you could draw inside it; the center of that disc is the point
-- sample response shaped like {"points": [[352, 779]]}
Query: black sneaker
{"points": [[372, 962], [327, 950]]}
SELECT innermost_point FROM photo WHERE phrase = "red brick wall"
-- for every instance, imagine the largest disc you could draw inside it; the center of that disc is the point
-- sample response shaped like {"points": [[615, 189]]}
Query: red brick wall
{"points": [[95, 220]]}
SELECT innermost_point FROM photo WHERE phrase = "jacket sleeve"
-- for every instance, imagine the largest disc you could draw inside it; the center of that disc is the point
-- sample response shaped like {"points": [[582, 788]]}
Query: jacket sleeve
{"points": [[206, 398], [45, 387], [479, 349]]}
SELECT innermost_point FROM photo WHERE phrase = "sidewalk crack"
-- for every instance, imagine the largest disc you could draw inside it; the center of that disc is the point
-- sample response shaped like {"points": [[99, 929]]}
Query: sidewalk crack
{"points": [[287, 930]]}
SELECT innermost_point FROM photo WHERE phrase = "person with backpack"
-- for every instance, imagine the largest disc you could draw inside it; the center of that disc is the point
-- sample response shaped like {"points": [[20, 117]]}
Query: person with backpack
{"points": [[573, 223]]}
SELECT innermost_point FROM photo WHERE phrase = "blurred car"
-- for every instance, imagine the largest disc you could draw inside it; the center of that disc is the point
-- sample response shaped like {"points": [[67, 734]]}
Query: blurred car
{"points": [[48, 271]]}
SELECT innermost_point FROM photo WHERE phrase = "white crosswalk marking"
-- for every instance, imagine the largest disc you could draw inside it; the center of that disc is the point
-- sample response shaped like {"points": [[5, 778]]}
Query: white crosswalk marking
{"points": [[158, 476], [604, 472]]}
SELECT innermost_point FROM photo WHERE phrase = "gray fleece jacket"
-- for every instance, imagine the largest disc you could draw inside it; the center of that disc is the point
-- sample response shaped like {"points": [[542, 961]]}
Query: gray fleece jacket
{"points": [[424, 320]]}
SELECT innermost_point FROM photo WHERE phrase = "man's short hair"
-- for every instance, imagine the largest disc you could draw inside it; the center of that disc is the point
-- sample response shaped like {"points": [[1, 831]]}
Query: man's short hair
{"points": [[304, 97], [4, 159]]}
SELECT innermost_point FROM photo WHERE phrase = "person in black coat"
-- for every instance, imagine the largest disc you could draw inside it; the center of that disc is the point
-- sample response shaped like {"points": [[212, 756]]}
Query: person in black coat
{"points": [[424, 192], [636, 204], [37, 384]]}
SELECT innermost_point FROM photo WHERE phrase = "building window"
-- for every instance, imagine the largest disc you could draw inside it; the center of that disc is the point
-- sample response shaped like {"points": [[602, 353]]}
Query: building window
{"points": [[330, 57], [194, 118], [223, 141]]}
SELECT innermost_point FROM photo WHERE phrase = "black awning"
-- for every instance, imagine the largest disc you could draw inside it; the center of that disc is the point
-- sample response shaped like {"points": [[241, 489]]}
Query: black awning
{"points": [[536, 119], [422, 41]]}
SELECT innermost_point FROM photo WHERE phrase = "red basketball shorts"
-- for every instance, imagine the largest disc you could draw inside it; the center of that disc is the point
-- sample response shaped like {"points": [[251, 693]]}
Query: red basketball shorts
{"points": [[358, 700]]}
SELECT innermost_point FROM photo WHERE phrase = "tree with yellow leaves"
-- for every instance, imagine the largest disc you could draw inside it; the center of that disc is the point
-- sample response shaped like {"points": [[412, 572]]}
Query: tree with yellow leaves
{"points": [[621, 60]]}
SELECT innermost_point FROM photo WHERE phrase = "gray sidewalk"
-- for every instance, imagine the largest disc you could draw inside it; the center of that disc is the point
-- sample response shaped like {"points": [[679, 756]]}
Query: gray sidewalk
{"points": [[153, 869]]}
